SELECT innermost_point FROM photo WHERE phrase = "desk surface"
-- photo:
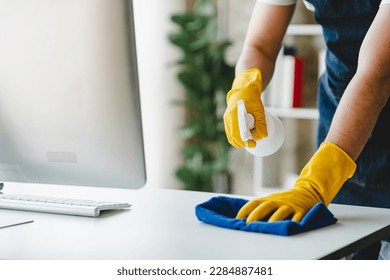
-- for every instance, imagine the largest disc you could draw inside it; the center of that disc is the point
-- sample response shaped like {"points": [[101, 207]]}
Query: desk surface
{"points": [[162, 225]]}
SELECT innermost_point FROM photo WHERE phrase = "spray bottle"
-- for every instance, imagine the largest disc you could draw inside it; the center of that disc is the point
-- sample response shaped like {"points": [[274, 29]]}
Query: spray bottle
{"points": [[267, 145]]}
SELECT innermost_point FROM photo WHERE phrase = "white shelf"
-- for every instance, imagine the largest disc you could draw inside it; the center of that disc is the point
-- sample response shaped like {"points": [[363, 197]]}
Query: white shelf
{"points": [[295, 113], [304, 29], [268, 173]]}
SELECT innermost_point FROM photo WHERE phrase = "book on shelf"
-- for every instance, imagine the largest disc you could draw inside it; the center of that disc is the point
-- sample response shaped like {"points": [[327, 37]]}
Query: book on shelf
{"points": [[287, 84], [321, 62], [297, 101]]}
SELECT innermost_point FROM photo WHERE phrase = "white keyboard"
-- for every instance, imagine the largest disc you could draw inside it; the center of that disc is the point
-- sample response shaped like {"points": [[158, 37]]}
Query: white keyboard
{"points": [[55, 205]]}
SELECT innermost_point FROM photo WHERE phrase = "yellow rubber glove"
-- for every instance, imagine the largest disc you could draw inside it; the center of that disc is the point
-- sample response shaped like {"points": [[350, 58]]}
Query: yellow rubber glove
{"points": [[319, 181], [246, 86]]}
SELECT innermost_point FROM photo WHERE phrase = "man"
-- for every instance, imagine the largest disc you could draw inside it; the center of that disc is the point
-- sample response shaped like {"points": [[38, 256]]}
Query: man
{"points": [[352, 162]]}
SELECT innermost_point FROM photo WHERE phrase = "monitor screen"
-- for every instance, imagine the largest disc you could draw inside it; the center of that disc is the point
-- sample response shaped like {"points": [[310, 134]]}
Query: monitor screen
{"points": [[69, 96]]}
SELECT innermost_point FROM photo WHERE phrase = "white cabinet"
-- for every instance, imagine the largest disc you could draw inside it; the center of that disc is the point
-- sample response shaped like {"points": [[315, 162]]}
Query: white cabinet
{"points": [[304, 112]]}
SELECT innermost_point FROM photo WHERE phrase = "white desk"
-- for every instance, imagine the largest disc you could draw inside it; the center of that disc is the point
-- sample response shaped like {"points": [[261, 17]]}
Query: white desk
{"points": [[162, 225]]}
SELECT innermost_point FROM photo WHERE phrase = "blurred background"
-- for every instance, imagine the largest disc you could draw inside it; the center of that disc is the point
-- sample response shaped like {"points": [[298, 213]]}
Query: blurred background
{"points": [[187, 51]]}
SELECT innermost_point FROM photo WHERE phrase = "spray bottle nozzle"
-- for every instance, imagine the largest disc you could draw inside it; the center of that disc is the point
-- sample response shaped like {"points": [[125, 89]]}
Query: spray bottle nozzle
{"points": [[246, 122], [265, 146]]}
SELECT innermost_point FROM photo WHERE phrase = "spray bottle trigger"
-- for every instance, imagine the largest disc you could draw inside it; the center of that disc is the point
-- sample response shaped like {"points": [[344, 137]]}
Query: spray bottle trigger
{"points": [[245, 122]]}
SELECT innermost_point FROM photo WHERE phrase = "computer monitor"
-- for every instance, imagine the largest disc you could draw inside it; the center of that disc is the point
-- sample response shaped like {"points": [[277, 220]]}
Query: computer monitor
{"points": [[69, 96]]}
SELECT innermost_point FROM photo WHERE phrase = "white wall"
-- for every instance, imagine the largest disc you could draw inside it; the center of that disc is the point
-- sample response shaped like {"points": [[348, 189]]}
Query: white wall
{"points": [[159, 87]]}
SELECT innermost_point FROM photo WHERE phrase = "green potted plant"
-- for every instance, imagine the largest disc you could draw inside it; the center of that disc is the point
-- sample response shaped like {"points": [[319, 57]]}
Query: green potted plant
{"points": [[206, 77]]}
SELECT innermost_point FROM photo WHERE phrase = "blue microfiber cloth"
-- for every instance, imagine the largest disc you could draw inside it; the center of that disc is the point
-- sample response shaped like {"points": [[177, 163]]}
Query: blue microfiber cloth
{"points": [[221, 211]]}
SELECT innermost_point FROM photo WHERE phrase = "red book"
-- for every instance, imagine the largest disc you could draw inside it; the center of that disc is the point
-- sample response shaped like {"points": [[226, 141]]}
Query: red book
{"points": [[297, 100]]}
